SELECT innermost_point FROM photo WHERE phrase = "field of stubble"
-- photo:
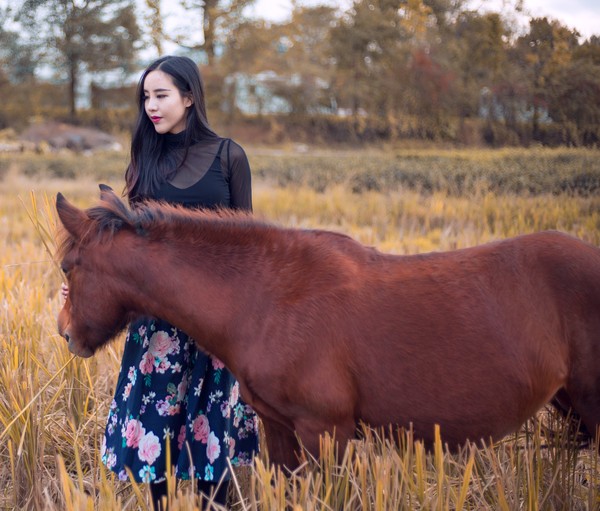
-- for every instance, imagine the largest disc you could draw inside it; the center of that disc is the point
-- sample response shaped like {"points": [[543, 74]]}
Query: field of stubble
{"points": [[53, 407]]}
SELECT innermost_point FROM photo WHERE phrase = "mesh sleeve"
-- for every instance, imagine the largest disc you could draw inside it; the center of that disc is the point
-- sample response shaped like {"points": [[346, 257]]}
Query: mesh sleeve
{"points": [[238, 173]]}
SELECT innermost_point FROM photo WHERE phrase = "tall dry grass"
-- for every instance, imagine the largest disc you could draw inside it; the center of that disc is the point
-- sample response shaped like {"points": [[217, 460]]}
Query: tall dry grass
{"points": [[53, 407]]}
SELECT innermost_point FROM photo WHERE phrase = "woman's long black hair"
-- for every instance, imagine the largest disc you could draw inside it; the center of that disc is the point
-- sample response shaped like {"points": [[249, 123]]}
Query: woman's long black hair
{"points": [[150, 165]]}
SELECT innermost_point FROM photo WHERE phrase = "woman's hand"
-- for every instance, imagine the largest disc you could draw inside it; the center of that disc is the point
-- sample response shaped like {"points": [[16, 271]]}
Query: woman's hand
{"points": [[64, 291]]}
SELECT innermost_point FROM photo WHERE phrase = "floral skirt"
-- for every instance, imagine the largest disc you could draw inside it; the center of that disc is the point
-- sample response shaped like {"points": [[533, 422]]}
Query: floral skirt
{"points": [[170, 396]]}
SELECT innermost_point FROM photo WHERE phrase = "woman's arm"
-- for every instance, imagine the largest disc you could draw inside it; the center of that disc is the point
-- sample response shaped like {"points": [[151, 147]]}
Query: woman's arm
{"points": [[240, 181]]}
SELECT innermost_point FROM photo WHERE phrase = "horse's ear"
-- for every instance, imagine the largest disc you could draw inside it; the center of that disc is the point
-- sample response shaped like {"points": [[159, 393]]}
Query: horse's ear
{"points": [[107, 194], [72, 218], [105, 190]]}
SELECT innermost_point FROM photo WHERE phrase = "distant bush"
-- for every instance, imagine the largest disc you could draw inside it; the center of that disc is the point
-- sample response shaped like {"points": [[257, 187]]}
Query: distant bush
{"points": [[66, 165], [362, 130], [466, 172], [457, 173]]}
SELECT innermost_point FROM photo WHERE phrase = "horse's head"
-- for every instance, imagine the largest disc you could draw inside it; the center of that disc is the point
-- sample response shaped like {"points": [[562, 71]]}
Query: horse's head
{"points": [[92, 314]]}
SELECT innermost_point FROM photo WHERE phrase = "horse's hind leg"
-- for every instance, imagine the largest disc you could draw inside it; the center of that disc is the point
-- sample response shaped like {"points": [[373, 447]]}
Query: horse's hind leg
{"points": [[584, 398], [561, 402], [589, 411]]}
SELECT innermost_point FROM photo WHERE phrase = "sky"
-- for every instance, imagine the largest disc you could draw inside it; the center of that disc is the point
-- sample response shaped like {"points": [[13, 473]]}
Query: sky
{"points": [[583, 15]]}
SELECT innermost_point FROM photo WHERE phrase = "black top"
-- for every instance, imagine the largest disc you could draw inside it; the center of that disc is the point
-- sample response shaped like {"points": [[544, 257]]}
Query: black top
{"points": [[214, 174]]}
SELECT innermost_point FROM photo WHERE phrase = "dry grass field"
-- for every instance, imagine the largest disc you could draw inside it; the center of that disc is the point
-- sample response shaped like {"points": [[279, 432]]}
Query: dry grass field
{"points": [[53, 407]]}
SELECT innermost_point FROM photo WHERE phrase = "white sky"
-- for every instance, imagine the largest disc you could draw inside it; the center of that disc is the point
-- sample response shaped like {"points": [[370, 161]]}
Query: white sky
{"points": [[582, 15]]}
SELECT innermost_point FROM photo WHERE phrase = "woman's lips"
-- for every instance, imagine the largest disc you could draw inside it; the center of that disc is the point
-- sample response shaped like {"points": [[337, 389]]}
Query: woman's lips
{"points": [[155, 119]]}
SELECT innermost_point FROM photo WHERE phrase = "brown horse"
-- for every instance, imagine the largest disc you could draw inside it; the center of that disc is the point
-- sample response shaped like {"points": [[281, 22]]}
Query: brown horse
{"points": [[324, 333]]}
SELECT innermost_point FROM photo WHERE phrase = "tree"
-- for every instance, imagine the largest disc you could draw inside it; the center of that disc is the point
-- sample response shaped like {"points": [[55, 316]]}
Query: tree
{"points": [[155, 20], [301, 59], [390, 63], [574, 96], [17, 56], [545, 50], [477, 54], [371, 57], [249, 51], [589, 51], [219, 17], [574, 92], [90, 36]]}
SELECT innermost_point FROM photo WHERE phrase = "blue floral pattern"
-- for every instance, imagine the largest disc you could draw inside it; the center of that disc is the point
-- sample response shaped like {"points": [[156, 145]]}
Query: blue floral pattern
{"points": [[172, 396]]}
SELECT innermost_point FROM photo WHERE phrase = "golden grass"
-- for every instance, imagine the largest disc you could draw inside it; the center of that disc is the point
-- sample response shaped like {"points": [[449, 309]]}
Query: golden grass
{"points": [[53, 408]]}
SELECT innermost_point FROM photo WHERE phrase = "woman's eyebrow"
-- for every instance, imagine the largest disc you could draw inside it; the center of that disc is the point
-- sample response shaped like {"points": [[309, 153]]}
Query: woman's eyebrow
{"points": [[159, 90]]}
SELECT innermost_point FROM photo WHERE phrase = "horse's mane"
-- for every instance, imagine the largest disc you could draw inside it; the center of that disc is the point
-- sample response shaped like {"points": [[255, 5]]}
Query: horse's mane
{"points": [[160, 221], [150, 218]]}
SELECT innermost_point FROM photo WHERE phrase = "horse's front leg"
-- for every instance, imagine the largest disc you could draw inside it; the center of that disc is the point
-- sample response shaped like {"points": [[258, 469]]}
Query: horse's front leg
{"points": [[311, 430], [282, 445]]}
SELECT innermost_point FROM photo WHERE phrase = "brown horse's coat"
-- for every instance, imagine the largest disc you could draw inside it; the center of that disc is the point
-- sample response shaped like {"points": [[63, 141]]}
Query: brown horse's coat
{"points": [[323, 333]]}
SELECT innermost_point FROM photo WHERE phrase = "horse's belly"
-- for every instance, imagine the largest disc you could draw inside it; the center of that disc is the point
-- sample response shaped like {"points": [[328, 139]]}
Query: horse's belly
{"points": [[471, 408]]}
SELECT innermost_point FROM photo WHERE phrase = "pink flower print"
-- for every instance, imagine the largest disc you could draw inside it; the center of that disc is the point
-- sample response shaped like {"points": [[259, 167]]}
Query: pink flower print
{"points": [[149, 448], [201, 428], [181, 437], [163, 366], [182, 389], [231, 447], [162, 407], [134, 432], [161, 344], [147, 363], [213, 449], [217, 364], [111, 460], [142, 330], [235, 394], [225, 410], [127, 390], [238, 414]]}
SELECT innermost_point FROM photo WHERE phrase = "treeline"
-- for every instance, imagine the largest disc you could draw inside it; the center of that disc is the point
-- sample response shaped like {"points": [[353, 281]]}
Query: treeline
{"points": [[382, 70]]}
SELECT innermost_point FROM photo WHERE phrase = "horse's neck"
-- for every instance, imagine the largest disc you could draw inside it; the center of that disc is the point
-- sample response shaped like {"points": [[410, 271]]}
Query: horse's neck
{"points": [[197, 298]]}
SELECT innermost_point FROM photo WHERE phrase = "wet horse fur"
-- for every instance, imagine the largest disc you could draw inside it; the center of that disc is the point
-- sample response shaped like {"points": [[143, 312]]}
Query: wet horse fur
{"points": [[324, 333]]}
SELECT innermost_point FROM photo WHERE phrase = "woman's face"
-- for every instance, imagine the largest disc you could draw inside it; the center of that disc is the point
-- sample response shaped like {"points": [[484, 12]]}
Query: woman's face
{"points": [[164, 104]]}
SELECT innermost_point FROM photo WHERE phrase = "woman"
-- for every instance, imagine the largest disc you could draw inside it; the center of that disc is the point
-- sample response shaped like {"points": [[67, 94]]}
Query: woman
{"points": [[169, 392]]}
